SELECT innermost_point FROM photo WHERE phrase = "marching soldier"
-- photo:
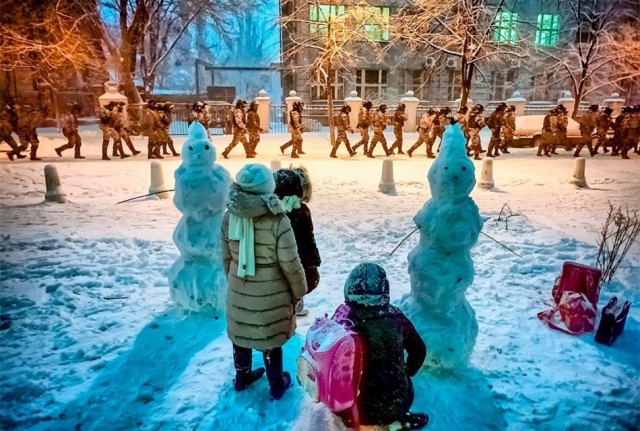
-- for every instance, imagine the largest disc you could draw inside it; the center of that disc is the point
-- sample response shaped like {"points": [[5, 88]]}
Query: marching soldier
{"points": [[549, 133], [70, 131], [461, 118], [474, 125], [494, 122], [166, 116], [563, 123], [343, 125], [587, 124], [426, 133], [379, 124], [364, 121], [154, 129], [603, 124], [295, 128], [28, 120], [253, 126], [200, 113], [509, 127], [120, 127], [239, 129], [6, 129], [439, 124], [398, 120]]}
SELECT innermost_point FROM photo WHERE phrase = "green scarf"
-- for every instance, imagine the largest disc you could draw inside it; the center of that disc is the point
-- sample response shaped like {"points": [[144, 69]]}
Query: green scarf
{"points": [[241, 229], [289, 203]]}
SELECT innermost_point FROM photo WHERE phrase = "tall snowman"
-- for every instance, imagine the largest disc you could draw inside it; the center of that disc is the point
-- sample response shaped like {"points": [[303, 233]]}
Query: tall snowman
{"points": [[440, 266], [197, 278]]}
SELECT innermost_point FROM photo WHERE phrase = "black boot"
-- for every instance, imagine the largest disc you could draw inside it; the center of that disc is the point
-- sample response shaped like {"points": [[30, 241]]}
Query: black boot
{"points": [[244, 375], [279, 381], [414, 421]]}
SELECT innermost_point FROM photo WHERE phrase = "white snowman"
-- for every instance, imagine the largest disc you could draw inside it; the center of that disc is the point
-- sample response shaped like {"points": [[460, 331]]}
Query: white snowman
{"points": [[440, 266], [197, 281]]}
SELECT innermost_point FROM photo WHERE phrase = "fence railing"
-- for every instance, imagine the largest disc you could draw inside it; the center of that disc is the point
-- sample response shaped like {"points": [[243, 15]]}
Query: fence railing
{"points": [[219, 120]]}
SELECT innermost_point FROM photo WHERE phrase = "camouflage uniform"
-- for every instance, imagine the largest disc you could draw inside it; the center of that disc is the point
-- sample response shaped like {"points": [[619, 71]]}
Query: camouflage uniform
{"points": [[603, 124], [474, 125], [6, 129], [509, 122], [108, 132], [494, 122], [439, 123], [154, 127], [28, 120], [70, 131], [253, 126], [399, 118], [295, 128], [587, 124], [120, 127], [563, 123], [364, 121], [343, 125], [549, 134], [379, 124], [166, 117], [239, 132], [426, 134]]}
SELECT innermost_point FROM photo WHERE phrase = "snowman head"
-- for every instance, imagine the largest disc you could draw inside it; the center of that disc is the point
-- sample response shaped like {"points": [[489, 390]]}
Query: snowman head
{"points": [[452, 175], [197, 149]]}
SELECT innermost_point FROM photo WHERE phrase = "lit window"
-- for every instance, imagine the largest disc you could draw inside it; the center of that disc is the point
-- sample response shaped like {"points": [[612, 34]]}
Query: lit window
{"points": [[319, 15], [505, 29], [377, 25], [371, 83], [547, 32]]}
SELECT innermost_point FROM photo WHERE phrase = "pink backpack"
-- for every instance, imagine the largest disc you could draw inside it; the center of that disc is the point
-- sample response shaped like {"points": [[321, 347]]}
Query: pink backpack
{"points": [[330, 365]]}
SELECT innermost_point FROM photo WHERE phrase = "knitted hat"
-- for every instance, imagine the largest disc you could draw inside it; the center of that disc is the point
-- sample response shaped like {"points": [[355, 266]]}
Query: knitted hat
{"points": [[367, 286], [256, 179], [288, 183], [306, 183]]}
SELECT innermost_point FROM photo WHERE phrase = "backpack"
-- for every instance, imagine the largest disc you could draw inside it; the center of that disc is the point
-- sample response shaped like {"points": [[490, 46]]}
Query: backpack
{"points": [[576, 294], [330, 365]]}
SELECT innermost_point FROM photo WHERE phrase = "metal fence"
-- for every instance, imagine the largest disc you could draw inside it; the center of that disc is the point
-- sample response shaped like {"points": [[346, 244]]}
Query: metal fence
{"points": [[219, 118]]}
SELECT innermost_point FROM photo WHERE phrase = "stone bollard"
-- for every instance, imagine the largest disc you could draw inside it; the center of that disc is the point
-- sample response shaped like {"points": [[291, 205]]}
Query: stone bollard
{"points": [[276, 165], [289, 101], [157, 180], [568, 101], [486, 177], [54, 190], [518, 101], [354, 102], [264, 108], [387, 184], [578, 178], [411, 110]]}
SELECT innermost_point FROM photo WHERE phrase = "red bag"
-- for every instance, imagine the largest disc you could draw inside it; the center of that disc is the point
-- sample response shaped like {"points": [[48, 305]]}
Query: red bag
{"points": [[576, 294]]}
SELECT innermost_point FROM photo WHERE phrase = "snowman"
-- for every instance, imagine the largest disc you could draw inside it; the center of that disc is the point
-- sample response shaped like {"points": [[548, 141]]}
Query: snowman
{"points": [[197, 281], [440, 266]]}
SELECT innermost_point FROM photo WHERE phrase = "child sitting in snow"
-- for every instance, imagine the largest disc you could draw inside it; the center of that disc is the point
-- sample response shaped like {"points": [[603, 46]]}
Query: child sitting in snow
{"points": [[293, 188], [386, 392]]}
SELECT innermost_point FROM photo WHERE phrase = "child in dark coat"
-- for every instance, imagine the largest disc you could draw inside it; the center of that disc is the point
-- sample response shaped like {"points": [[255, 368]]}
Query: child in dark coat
{"points": [[293, 188], [386, 391]]}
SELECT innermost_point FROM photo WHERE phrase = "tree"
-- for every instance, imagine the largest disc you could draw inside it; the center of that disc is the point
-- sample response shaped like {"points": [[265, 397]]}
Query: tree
{"points": [[473, 31], [601, 49]]}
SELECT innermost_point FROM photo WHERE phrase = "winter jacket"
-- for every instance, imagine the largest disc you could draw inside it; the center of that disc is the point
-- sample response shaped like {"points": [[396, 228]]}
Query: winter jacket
{"points": [[587, 124], [379, 122], [260, 308], [239, 119], [253, 121], [386, 391]]}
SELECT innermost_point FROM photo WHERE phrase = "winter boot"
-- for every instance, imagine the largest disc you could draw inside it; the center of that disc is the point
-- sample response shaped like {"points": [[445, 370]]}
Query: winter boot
{"points": [[414, 421], [282, 149], [173, 150], [333, 153], [77, 154], [279, 381], [59, 151], [431, 156], [164, 149], [243, 381], [300, 310], [34, 157], [105, 148], [410, 152]]}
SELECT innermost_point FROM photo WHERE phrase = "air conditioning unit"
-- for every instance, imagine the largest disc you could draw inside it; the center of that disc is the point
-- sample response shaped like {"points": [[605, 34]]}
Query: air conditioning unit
{"points": [[452, 63], [516, 63], [429, 62]]}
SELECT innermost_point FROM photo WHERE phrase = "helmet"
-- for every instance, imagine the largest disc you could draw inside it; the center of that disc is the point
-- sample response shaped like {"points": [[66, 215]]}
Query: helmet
{"points": [[431, 111], [562, 108], [346, 108], [73, 107], [402, 107], [511, 108], [478, 107], [594, 108], [445, 111], [253, 106], [382, 108], [609, 111], [554, 111], [367, 104], [625, 109], [297, 106], [463, 110], [240, 104]]}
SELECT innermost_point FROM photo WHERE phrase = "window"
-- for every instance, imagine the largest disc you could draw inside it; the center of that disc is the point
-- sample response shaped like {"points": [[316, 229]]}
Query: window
{"points": [[377, 25], [371, 83], [547, 32], [319, 15], [454, 84], [505, 29], [418, 81], [319, 91]]}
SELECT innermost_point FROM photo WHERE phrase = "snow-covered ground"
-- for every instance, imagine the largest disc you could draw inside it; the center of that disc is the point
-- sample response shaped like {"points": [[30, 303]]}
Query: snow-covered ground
{"points": [[91, 340]]}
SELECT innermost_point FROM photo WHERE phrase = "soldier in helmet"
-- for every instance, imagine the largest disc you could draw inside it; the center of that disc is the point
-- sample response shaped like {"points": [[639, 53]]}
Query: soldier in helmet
{"points": [[474, 125], [8, 117], [154, 129], [379, 124], [364, 122], [120, 126], [509, 122], [70, 131], [563, 124], [166, 116], [200, 113], [29, 118], [624, 133], [239, 129], [439, 123], [398, 120], [636, 126], [549, 133], [296, 129], [587, 124], [253, 126], [603, 124], [343, 125], [461, 117], [494, 122], [426, 133]]}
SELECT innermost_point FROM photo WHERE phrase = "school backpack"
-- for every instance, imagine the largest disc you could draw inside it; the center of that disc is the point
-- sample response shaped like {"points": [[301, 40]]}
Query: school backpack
{"points": [[330, 365], [575, 292]]}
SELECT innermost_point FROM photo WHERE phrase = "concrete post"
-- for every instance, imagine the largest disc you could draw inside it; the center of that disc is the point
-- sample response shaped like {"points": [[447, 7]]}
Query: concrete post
{"points": [[518, 101], [276, 165], [387, 184], [411, 103], [568, 101], [486, 177], [111, 95], [614, 102], [355, 103], [579, 178], [54, 190], [157, 180], [293, 97], [264, 110]]}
